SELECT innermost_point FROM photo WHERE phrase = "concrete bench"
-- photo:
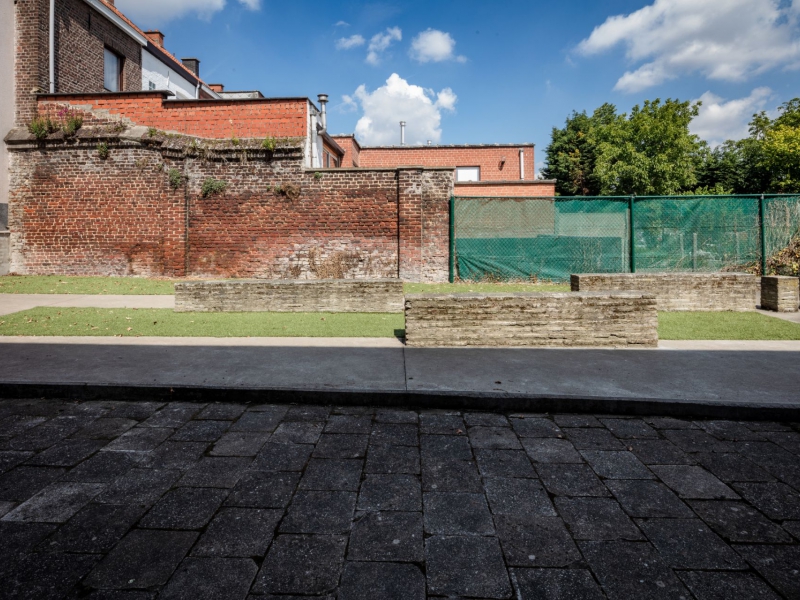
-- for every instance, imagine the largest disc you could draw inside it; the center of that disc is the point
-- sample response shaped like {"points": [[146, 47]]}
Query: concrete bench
{"points": [[680, 291], [781, 294], [530, 319], [301, 295]]}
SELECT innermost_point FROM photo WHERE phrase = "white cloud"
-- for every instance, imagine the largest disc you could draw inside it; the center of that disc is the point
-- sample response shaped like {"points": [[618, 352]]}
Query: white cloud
{"points": [[721, 120], [342, 24], [350, 42], [728, 40], [396, 101], [433, 45], [380, 42], [148, 13]]}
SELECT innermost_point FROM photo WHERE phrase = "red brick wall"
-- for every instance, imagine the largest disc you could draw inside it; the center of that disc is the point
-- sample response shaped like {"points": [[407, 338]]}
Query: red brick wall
{"points": [[512, 189], [73, 213], [488, 158], [81, 35], [351, 151], [216, 119]]}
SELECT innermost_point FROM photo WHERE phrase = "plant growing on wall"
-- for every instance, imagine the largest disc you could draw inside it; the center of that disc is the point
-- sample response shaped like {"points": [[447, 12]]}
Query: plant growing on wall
{"points": [[175, 179], [102, 150], [41, 127], [212, 187], [269, 143], [71, 121]]}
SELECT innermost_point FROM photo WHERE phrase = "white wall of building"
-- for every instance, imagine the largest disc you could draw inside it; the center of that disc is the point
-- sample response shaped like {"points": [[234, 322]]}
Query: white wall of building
{"points": [[164, 78], [7, 100]]}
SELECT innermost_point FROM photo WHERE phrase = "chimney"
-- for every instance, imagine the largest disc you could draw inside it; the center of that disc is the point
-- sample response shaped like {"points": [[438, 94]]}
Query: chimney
{"points": [[155, 36], [216, 87], [402, 133], [193, 64], [323, 100]]}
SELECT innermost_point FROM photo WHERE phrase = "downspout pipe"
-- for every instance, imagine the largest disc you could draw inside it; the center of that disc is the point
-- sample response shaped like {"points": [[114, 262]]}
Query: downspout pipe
{"points": [[52, 46], [402, 133], [522, 163]]}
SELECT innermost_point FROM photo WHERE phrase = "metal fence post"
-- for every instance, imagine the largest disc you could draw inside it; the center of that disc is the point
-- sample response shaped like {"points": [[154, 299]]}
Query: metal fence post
{"points": [[762, 232], [632, 242], [452, 264]]}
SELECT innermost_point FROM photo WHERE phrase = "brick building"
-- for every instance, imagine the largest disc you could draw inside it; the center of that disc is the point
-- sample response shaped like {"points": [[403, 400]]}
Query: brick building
{"points": [[297, 202], [480, 169]]}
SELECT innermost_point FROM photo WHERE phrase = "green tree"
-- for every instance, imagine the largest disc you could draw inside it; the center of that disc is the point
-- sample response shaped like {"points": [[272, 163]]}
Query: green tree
{"points": [[650, 151], [780, 149], [572, 153]]}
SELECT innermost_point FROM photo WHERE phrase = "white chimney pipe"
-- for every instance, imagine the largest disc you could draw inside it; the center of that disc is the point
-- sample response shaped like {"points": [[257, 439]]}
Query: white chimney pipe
{"points": [[323, 101], [402, 133], [522, 163]]}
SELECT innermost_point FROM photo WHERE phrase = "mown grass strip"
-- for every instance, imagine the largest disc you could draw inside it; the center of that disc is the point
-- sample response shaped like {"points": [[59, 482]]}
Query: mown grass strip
{"points": [[48, 321], [724, 326], [58, 284]]}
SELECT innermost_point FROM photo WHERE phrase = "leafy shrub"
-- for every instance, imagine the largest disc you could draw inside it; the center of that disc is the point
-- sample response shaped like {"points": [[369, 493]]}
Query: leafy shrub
{"points": [[269, 143], [102, 150], [41, 127], [213, 186], [175, 179]]}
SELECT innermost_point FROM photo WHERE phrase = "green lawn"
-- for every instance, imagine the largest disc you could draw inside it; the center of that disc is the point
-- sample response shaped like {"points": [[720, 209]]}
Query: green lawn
{"points": [[57, 284], [166, 323], [724, 326]]}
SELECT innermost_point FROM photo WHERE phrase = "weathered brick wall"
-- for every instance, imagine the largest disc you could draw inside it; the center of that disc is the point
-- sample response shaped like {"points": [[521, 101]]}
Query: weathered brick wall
{"points": [[489, 158], [781, 294], [680, 291], [215, 119], [81, 35], [549, 319], [74, 213], [327, 295], [516, 189]]}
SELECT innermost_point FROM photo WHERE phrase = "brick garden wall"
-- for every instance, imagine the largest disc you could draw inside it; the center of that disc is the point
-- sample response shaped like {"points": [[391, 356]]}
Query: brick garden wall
{"points": [[72, 212]]}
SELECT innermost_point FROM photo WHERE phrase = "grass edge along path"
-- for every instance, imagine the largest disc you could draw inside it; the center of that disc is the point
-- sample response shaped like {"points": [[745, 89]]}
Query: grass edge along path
{"points": [[96, 286], [50, 321], [53, 321], [752, 326]]}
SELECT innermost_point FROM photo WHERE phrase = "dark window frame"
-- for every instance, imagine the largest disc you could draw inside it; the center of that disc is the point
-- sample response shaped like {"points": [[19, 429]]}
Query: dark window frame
{"points": [[120, 74]]}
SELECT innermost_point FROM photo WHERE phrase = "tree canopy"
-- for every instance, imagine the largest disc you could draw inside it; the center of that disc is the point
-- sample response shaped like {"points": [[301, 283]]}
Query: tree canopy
{"points": [[651, 151]]}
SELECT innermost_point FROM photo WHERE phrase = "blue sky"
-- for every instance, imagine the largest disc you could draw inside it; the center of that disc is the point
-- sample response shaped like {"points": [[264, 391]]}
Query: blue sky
{"points": [[492, 72]]}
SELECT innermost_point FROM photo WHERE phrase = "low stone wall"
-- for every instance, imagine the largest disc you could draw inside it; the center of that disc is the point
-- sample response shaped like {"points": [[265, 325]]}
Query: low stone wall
{"points": [[781, 294], [680, 291], [314, 295], [5, 252], [526, 319]]}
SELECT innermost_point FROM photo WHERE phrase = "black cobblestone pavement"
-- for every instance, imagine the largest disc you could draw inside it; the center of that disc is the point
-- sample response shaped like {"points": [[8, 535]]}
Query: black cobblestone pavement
{"points": [[135, 501]]}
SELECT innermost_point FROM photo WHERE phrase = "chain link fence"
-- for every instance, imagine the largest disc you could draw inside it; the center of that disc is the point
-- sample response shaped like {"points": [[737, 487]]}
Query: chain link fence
{"points": [[551, 238]]}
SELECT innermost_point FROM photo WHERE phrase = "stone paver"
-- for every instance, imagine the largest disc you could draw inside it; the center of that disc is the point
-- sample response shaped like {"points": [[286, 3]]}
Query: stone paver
{"points": [[179, 500]]}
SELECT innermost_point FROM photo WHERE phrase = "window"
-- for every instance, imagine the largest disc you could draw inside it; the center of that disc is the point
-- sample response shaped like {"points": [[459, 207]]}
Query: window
{"points": [[330, 161], [112, 71], [468, 173], [152, 85]]}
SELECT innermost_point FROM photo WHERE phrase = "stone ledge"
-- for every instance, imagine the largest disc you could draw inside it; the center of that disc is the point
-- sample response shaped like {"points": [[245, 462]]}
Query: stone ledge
{"points": [[301, 295], [555, 319], [780, 293], [680, 291]]}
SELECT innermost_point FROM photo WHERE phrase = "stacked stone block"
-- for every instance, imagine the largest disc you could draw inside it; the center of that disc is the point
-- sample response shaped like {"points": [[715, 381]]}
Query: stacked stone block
{"points": [[327, 295], [528, 319], [680, 291], [781, 294]]}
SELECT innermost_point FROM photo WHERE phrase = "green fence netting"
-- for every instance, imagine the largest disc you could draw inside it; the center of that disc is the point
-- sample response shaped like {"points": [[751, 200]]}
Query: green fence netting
{"points": [[550, 238]]}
